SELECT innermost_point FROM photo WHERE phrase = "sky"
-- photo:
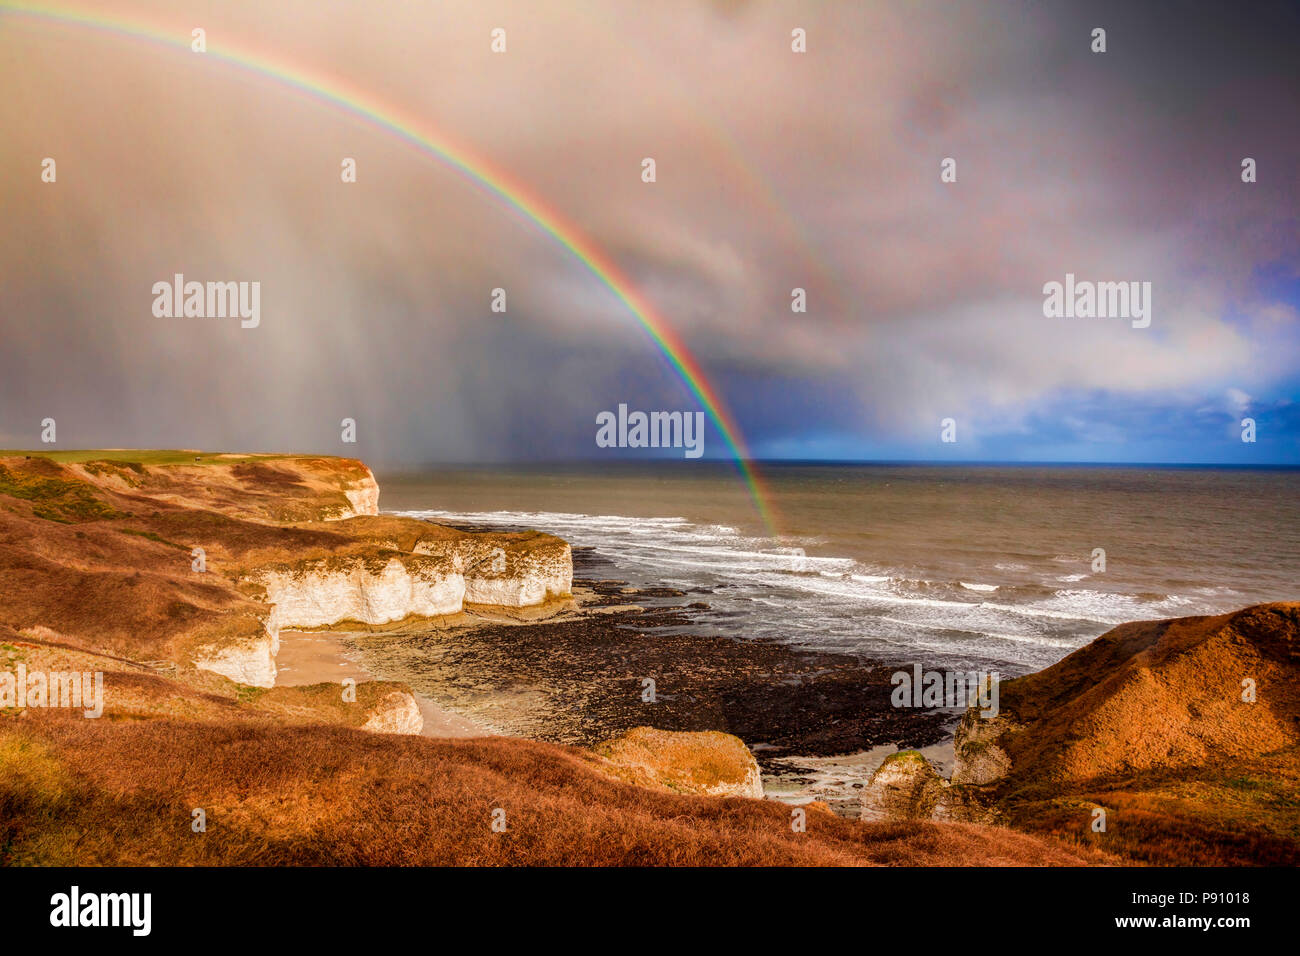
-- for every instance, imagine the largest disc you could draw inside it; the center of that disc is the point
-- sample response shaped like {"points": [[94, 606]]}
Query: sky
{"points": [[775, 170]]}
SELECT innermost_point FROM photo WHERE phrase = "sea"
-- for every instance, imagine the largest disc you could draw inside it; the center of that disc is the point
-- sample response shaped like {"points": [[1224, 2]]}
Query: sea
{"points": [[993, 567]]}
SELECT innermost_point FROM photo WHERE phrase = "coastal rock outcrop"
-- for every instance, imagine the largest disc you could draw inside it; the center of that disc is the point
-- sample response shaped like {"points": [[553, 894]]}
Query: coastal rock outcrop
{"points": [[251, 663], [1167, 742], [395, 713], [707, 763], [248, 658], [1145, 696], [906, 787], [362, 493], [979, 760]]}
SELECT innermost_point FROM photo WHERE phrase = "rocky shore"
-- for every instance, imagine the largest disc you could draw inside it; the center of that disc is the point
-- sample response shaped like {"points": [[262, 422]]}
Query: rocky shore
{"points": [[579, 675]]}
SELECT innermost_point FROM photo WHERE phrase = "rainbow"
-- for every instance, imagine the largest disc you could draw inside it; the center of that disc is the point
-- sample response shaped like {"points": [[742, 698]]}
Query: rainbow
{"points": [[496, 181], [712, 129]]}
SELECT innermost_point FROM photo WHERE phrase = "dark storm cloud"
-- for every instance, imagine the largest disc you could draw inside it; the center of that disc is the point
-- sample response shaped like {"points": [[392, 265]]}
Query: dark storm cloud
{"points": [[775, 170]]}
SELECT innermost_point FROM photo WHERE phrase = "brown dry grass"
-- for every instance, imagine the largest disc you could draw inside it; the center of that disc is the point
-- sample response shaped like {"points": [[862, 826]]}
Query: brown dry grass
{"points": [[280, 788], [88, 793], [1147, 722], [1160, 694], [1188, 824]]}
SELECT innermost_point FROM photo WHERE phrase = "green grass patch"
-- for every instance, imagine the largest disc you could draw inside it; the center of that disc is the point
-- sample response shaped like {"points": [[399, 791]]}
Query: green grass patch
{"points": [[56, 499], [246, 694]]}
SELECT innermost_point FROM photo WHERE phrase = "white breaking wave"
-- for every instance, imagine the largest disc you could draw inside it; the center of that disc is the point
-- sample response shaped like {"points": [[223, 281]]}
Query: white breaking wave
{"points": [[762, 587]]}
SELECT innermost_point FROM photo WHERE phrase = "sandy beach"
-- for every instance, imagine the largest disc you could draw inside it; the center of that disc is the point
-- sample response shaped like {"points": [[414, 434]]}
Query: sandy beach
{"points": [[315, 657]]}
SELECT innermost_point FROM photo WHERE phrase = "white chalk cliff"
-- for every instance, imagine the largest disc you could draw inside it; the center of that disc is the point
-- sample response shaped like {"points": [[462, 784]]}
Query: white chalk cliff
{"points": [[364, 589], [437, 577], [250, 661], [363, 496]]}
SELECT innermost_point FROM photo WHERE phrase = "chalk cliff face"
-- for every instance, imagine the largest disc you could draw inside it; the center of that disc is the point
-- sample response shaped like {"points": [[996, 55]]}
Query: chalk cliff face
{"points": [[327, 591], [379, 587], [396, 713], [366, 589], [251, 661], [526, 571], [437, 578], [363, 495]]}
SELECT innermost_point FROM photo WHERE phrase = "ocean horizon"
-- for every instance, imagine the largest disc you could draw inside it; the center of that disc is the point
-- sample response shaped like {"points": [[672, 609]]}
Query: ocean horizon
{"points": [[1006, 567]]}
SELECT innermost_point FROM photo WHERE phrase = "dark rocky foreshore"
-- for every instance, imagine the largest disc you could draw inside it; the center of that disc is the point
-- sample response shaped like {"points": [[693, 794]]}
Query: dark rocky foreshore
{"points": [[578, 677]]}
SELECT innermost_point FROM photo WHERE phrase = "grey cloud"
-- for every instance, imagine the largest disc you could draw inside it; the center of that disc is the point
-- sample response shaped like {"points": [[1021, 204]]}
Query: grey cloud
{"points": [[775, 171]]}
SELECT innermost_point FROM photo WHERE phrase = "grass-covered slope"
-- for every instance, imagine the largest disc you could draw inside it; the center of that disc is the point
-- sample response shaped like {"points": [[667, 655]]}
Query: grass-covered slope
{"points": [[1185, 732], [89, 793]]}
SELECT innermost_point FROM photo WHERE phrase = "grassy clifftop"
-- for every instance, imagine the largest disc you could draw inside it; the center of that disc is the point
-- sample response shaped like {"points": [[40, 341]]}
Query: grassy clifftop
{"points": [[102, 550], [281, 488]]}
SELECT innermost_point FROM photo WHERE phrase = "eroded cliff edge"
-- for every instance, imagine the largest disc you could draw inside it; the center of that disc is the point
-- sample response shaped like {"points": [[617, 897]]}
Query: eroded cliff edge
{"points": [[1165, 742], [201, 561]]}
